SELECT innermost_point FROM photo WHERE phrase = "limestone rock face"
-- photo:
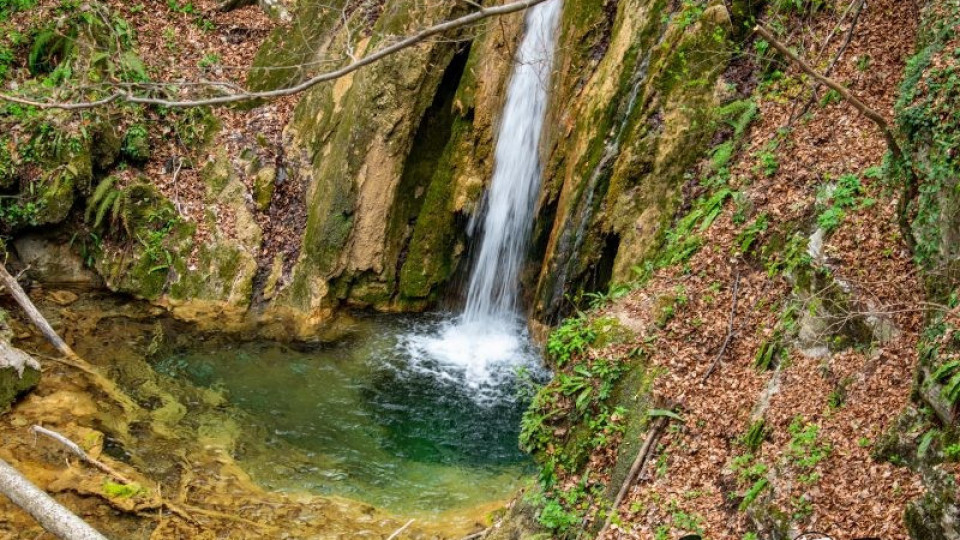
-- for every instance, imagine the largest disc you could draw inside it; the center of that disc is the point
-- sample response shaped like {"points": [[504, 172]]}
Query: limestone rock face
{"points": [[625, 130], [19, 373], [394, 157]]}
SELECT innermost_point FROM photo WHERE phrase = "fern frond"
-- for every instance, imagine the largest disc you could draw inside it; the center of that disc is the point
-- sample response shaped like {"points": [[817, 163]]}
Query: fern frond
{"points": [[951, 390], [99, 193], [944, 371], [105, 205]]}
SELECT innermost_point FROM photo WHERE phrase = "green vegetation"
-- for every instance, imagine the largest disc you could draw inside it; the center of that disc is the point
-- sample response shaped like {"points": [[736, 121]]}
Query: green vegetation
{"points": [[122, 491], [804, 451], [579, 403], [836, 199], [755, 435]]}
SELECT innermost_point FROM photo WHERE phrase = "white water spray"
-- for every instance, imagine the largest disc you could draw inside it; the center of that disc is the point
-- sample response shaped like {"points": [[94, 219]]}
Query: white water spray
{"points": [[490, 334]]}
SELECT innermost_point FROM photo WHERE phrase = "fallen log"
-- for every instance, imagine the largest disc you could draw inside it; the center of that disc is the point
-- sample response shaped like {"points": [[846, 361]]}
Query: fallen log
{"points": [[50, 514], [635, 469], [71, 358]]}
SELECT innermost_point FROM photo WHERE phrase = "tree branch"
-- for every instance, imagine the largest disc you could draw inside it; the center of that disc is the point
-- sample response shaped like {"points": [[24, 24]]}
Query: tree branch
{"points": [[730, 331], [50, 514], [410, 41], [911, 187]]}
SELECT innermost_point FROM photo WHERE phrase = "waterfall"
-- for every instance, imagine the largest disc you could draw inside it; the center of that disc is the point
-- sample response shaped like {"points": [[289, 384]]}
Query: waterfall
{"points": [[488, 341], [494, 280]]}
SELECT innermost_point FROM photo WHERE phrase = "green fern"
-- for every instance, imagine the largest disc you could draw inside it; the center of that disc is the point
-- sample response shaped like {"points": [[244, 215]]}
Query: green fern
{"points": [[112, 198], [100, 193], [949, 375]]}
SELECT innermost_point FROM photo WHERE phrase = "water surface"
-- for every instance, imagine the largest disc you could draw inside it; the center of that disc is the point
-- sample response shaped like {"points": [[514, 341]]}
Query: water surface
{"points": [[371, 418]]}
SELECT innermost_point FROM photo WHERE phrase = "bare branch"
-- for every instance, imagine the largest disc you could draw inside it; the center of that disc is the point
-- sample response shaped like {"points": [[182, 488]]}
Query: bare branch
{"points": [[911, 187], [384, 52]]}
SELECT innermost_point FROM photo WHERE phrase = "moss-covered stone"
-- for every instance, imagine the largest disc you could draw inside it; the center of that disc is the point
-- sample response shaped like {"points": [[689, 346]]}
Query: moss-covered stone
{"points": [[105, 145], [136, 144], [18, 374], [264, 184]]}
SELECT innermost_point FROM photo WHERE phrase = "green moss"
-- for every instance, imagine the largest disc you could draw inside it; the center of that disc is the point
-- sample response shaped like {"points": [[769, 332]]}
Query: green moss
{"points": [[263, 187], [122, 491], [13, 385], [8, 166], [136, 143], [284, 57], [105, 145]]}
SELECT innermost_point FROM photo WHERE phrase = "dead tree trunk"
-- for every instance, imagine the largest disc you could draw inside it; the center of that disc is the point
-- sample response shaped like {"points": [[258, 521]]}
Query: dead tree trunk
{"points": [[911, 187], [72, 358], [50, 514]]}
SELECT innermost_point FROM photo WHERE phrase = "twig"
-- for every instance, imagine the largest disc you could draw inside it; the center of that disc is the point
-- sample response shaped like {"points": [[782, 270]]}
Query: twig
{"points": [[397, 532], [635, 469], [730, 330], [77, 451], [836, 58], [404, 43]]}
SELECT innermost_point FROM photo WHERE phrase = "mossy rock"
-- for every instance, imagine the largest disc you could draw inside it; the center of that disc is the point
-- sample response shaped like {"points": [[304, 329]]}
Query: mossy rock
{"points": [[8, 167], [19, 373], [935, 515], [55, 198], [264, 184], [105, 145], [136, 144]]}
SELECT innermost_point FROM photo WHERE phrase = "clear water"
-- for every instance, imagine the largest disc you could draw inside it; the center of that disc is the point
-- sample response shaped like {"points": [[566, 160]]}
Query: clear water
{"points": [[368, 421]]}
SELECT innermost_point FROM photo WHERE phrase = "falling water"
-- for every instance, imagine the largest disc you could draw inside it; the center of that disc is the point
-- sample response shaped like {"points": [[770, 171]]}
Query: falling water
{"points": [[488, 340], [492, 295]]}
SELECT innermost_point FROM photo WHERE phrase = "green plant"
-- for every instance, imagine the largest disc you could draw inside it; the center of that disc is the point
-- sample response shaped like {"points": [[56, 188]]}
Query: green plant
{"points": [[770, 353], [186, 8], [948, 375], [572, 337], [755, 435], [925, 442], [830, 97], [107, 200], [751, 494], [769, 163], [136, 143], [748, 236], [952, 452], [555, 517], [837, 199], [209, 60], [804, 451]]}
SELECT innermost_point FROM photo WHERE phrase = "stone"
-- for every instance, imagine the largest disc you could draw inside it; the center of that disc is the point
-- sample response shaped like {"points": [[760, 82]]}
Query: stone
{"points": [[264, 184], [19, 373], [63, 298], [52, 261]]}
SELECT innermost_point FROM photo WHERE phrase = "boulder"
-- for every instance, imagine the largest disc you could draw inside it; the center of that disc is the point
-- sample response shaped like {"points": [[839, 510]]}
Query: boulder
{"points": [[52, 261], [19, 373]]}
